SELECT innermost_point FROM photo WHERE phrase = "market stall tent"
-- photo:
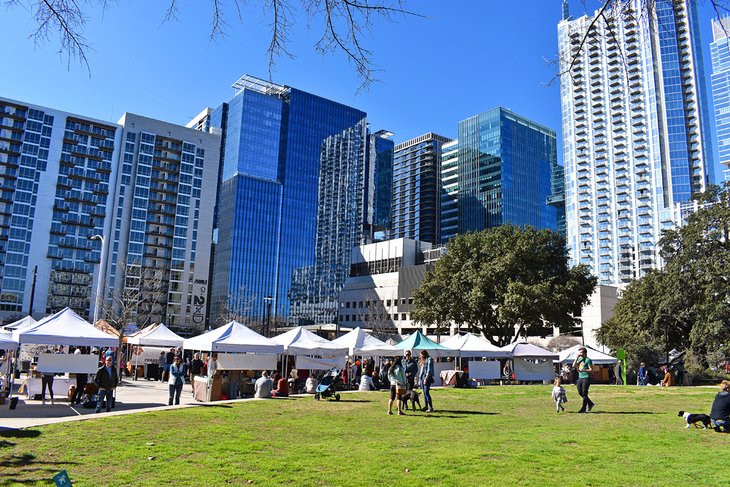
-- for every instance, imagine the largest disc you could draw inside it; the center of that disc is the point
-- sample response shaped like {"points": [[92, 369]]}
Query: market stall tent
{"points": [[7, 342], [232, 337], [157, 336], [470, 345], [65, 328], [20, 324], [418, 341], [359, 342], [300, 341], [531, 362], [311, 350], [598, 358]]}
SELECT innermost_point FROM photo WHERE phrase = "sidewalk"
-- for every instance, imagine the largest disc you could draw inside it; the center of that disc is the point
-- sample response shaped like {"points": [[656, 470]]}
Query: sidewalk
{"points": [[131, 397]]}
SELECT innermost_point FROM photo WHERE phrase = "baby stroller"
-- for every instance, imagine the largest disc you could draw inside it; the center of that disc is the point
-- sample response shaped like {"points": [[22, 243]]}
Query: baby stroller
{"points": [[327, 384]]}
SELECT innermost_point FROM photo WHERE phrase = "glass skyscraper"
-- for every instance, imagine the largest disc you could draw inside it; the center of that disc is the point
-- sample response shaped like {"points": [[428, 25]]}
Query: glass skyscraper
{"points": [[634, 132], [720, 52], [417, 188], [499, 172], [291, 203]]}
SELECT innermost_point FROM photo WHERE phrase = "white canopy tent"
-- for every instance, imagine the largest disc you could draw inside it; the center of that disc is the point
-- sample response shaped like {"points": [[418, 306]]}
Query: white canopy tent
{"points": [[304, 344], [156, 336], [232, 337], [300, 341], [7, 342], [359, 342], [20, 324], [470, 345], [527, 350], [531, 362], [65, 328], [599, 358]]}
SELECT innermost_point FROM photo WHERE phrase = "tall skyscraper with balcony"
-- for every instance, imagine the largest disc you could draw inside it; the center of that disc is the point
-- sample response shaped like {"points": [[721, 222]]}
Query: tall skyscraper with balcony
{"points": [[449, 191], [417, 188], [499, 171], [163, 223], [56, 170], [634, 131], [145, 186], [720, 53], [291, 200]]}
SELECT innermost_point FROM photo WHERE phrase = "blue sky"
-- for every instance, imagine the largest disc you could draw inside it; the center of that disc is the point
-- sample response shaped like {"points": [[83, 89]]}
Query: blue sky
{"points": [[465, 57]]}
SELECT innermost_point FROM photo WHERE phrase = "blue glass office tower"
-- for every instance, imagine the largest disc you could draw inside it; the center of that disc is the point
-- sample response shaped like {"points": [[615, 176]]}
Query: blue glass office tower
{"points": [[292, 172], [720, 52], [503, 172]]}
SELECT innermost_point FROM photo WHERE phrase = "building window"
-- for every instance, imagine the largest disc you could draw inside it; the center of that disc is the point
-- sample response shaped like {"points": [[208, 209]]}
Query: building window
{"points": [[403, 316], [395, 317], [389, 302]]}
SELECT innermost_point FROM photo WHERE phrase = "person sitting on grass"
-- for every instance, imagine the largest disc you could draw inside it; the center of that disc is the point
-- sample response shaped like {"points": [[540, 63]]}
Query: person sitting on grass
{"points": [[720, 413], [263, 386], [366, 382], [668, 378], [282, 386], [311, 384]]}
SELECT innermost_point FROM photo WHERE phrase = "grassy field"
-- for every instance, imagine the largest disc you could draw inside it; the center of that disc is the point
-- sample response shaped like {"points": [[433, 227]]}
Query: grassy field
{"points": [[506, 435]]}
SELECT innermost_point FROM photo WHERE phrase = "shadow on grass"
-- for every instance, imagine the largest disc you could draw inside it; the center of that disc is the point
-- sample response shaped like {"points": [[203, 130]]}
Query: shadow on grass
{"points": [[16, 433], [208, 405], [452, 411], [28, 459], [354, 400], [614, 412]]}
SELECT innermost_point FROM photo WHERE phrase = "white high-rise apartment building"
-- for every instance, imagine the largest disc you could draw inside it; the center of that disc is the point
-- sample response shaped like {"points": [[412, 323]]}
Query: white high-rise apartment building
{"points": [[634, 132]]}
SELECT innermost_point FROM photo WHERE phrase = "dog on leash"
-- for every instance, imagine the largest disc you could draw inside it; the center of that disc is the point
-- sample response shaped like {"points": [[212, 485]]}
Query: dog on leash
{"points": [[413, 397], [696, 420]]}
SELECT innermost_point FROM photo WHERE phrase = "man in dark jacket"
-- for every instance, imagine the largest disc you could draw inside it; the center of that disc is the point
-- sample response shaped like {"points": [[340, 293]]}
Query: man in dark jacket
{"points": [[107, 380], [411, 367], [720, 413]]}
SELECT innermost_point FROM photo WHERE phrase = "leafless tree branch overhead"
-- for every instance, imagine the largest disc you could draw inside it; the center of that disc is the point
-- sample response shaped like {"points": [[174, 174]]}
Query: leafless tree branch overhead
{"points": [[344, 23]]}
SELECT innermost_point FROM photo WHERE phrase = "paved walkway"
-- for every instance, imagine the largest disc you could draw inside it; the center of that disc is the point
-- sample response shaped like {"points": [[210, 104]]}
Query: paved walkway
{"points": [[132, 397]]}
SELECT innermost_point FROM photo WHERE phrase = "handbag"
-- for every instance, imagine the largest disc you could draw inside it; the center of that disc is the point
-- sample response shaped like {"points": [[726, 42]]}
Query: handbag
{"points": [[400, 390], [429, 380]]}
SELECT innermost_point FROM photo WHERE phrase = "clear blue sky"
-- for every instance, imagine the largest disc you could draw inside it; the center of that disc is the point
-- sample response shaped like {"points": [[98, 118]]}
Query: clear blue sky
{"points": [[466, 57]]}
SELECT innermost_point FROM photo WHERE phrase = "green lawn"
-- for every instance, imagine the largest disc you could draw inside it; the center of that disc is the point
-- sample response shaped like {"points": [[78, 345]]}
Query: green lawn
{"points": [[507, 435]]}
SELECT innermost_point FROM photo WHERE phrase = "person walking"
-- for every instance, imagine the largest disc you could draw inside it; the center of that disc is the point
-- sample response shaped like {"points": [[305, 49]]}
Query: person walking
{"points": [[107, 379], [397, 378], [426, 380], [176, 381], [584, 366]]}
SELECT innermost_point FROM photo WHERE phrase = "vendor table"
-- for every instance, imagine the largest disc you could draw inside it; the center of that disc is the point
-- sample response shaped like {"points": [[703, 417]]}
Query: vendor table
{"points": [[32, 386]]}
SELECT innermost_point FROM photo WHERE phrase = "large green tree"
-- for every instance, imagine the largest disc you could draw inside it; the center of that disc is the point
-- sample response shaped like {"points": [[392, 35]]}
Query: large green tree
{"points": [[503, 282], [687, 304]]}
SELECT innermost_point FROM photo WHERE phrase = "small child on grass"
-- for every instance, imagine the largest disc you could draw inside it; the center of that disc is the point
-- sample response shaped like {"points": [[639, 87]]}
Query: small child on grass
{"points": [[559, 395]]}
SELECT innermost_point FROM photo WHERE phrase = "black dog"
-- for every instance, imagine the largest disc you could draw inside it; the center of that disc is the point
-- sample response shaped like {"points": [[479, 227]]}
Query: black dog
{"points": [[693, 419], [412, 396]]}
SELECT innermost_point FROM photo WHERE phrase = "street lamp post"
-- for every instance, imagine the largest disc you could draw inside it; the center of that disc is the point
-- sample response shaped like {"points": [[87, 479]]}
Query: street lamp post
{"points": [[268, 300], [97, 305]]}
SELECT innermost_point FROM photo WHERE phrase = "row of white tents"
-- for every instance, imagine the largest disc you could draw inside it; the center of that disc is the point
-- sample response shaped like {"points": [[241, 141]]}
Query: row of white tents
{"points": [[68, 328]]}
